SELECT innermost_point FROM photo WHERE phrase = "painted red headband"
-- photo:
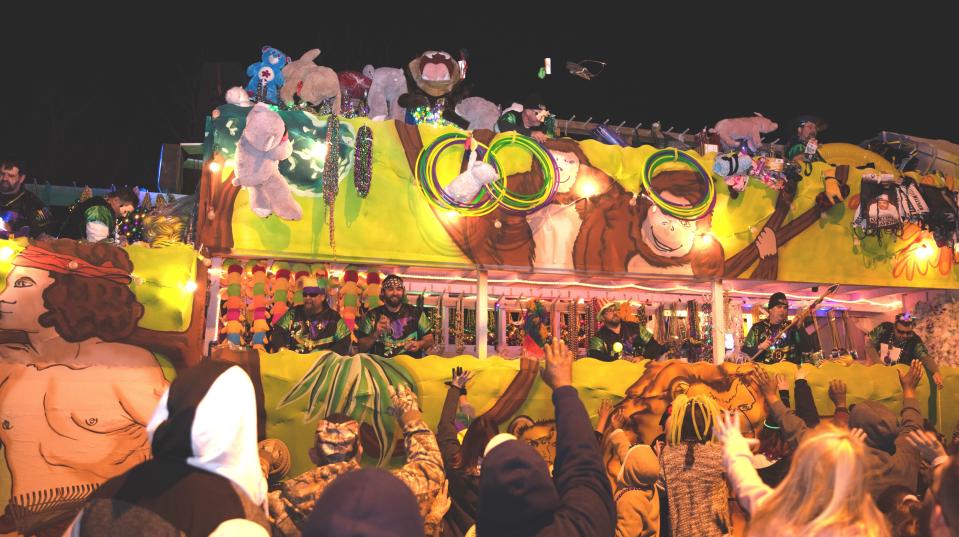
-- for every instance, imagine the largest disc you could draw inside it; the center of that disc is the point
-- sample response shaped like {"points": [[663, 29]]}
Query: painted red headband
{"points": [[39, 258]]}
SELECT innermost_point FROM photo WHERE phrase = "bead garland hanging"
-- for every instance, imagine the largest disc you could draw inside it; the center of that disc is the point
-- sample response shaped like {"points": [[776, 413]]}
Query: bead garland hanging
{"points": [[459, 327], [363, 161], [590, 320], [692, 314], [572, 328], [331, 173], [438, 325]]}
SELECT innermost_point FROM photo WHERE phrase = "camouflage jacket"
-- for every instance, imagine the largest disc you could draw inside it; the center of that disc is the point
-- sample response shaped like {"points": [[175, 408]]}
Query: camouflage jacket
{"points": [[423, 474]]}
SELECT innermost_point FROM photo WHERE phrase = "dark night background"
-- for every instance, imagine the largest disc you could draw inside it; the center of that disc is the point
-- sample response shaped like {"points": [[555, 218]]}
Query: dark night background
{"points": [[91, 102]]}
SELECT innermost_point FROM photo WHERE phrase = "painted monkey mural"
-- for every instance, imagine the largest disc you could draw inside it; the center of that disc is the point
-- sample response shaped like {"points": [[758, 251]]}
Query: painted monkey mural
{"points": [[610, 230]]}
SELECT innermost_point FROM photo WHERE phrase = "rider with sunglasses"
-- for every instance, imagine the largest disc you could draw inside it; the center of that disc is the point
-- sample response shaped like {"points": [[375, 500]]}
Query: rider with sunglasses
{"points": [[897, 343], [312, 326]]}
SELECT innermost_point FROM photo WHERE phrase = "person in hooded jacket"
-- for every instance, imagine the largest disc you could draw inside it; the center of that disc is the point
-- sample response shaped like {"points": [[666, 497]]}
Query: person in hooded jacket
{"points": [[517, 497], [205, 472], [462, 460], [366, 503], [637, 499], [891, 458]]}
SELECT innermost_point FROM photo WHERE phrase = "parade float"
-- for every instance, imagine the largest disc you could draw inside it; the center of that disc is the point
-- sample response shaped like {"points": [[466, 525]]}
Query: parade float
{"points": [[483, 227]]}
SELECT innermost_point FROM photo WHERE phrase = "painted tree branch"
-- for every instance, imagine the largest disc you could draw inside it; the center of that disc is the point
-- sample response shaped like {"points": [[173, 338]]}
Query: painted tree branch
{"points": [[516, 393], [215, 213]]}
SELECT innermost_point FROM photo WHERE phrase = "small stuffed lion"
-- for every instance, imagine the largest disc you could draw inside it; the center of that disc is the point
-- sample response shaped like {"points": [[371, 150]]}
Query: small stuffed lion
{"points": [[258, 154]]}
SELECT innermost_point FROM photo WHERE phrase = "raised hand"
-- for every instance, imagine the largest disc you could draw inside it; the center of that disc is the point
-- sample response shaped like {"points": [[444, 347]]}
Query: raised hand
{"points": [[559, 365], [761, 380], [910, 379], [728, 432], [461, 377], [858, 434], [837, 392], [928, 445], [403, 400]]}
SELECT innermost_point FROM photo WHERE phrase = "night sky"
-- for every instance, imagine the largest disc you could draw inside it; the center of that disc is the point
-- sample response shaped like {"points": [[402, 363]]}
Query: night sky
{"points": [[92, 102]]}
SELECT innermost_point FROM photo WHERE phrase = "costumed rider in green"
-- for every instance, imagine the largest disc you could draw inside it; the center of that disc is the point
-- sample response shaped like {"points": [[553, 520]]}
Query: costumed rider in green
{"points": [[530, 118], [897, 343], [95, 219], [312, 326], [620, 339], [787, 346], [395, 327], [803, 145]]}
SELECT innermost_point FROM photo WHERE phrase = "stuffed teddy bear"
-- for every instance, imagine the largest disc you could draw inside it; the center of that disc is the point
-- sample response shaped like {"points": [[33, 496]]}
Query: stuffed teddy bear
{"points": [[386, 86], [749, 129], [465, 186], [480, 113], [262, 146], [238, 96], [267, 76], [310, 83]]}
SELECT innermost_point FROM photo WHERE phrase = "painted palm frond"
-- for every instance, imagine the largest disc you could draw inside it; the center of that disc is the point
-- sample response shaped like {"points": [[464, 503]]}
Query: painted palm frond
{"points": [[357, 386]]}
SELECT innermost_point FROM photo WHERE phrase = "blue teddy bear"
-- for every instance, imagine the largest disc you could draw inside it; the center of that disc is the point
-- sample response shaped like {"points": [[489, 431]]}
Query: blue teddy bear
{"points": [[267, 76]]}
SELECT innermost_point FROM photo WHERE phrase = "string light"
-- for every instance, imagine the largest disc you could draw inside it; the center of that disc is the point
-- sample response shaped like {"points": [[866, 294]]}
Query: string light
{"points": [[319, 150], [676, 288], [6, 253], [215, 167], [189, 286], [587, 189]]}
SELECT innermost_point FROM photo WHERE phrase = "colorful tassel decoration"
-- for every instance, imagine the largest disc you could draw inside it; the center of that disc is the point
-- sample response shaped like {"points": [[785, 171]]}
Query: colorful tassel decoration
{"points": [[350, 298], [300, 271], [233, 326], [371, 296], [259, 328], [281, 293]]}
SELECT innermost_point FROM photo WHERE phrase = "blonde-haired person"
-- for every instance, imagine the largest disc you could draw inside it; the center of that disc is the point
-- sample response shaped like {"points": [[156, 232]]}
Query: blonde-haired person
{"points": [[824, 493], [691, 470]]}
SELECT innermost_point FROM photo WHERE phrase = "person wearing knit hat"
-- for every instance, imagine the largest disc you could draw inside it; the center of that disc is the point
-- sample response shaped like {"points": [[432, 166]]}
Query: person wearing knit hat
{"points": [[529, 118], [395, 327], [337, 452], [802, 143], [619, 339], [312, 326], [765, 338], [365, 503]]}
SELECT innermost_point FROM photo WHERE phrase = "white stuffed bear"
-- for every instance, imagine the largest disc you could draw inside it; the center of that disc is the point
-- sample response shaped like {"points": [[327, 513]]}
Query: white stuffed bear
{"points": [[238, 96], [481, 113], [258, 154], [385, 90], [467, 185]]}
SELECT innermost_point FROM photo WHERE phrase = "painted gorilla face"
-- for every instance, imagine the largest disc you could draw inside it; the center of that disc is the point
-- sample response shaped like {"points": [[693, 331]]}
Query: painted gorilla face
{"points": [[666, 235]]}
